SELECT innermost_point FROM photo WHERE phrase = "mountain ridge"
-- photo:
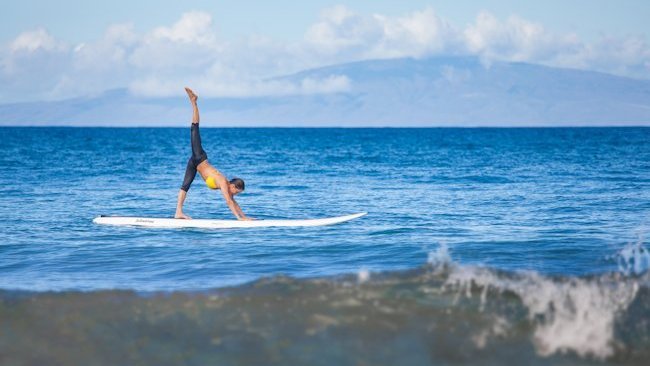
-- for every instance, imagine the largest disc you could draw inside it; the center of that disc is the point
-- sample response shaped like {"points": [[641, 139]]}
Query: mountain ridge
{"points": [[439, 91]]}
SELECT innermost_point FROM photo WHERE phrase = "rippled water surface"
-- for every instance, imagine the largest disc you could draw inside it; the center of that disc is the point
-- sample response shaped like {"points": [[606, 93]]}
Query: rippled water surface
{"points": [[481, 246], [557, 201]]}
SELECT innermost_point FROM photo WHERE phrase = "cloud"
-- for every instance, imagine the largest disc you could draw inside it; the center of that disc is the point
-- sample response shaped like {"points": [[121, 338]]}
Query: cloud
{"points": [[37, 39], [193, 27], [190, 53], [102, 64], [421, 33], [36, 65], [339, 30], [31, 67], [516, 39], [188, 45], [341, 33], [219, 82], [623, 56]]}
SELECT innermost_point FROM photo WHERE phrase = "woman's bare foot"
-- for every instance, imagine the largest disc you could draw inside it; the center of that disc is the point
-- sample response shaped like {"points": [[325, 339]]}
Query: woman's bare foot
{"points": [[190, 93], [182, 216]]}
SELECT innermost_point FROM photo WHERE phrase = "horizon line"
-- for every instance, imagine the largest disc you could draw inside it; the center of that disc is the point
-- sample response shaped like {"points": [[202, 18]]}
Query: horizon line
{"points": [[338, 127]]}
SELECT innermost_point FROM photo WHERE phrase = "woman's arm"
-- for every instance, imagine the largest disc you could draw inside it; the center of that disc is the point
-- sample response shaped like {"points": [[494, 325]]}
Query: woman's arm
{"points": [[232, 204]]}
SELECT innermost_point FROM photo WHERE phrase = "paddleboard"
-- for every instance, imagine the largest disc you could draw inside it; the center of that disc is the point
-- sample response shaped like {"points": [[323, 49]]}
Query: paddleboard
{"points": [[217, 224]]}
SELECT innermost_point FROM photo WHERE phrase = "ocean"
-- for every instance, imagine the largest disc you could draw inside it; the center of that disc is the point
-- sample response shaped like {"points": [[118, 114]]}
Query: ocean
{"points": [[481, 246]]}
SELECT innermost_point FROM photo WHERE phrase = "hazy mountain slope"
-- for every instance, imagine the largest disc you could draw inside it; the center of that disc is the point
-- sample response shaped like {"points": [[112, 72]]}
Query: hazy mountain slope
{"points": [[449, 91]]}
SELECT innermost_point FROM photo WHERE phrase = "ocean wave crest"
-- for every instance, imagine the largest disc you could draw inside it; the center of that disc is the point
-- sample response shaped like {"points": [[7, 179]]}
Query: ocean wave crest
{"points": [[443, 312]]}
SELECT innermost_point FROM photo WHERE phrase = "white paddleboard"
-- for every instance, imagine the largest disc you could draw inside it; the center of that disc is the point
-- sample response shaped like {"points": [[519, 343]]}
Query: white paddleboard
{"points": [[217, 224]]}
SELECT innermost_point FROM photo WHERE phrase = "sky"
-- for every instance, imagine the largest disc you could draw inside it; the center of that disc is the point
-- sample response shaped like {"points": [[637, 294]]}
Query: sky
{"points": [[80, 21], [52, 50]]}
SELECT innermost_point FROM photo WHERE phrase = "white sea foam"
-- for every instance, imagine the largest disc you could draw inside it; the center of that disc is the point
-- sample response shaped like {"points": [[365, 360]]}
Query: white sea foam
{"points": [[363, 275], [634, 258], [499, 327], [439, 256], [568, 314], [578, 315]]}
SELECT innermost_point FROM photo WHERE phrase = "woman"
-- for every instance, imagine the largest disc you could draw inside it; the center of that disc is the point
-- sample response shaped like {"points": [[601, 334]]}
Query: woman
{"points": [[213, 178]]}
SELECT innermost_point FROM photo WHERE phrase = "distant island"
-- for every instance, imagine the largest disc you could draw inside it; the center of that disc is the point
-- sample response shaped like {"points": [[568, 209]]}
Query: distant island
{"points": [[440, 91]]}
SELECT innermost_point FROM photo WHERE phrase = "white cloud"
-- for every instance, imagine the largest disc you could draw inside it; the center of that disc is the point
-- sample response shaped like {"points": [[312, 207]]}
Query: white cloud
{"points": [[32, 65], [516, 39], [345, 35], [624, 56], [189, 44], [193, 27], [108, 52], [37, 39], [339, 30], [218, 82], [36, 65]]}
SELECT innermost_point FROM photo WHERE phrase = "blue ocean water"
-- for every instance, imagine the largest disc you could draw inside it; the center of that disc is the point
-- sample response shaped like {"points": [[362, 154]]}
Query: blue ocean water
{"points": [[556, 201], [481, 247]]}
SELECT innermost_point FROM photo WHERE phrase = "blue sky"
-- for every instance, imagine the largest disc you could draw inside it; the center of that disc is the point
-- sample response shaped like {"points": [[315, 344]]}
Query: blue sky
{"points": [[53, 50], [78, 20]]}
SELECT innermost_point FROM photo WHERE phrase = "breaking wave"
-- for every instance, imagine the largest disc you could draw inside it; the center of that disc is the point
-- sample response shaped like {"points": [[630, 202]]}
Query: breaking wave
{"points": [[443, 312]]}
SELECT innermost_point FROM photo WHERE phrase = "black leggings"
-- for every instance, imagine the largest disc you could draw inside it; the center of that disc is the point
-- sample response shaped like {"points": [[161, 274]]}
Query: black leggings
{"points": [[198, 156]]}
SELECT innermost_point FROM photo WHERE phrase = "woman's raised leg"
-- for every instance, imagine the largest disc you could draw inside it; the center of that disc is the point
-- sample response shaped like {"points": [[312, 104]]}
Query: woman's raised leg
{"points": [[198, 154], [195, 109]]}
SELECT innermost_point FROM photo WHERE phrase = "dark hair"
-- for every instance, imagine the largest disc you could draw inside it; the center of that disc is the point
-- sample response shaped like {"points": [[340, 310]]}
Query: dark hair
{"points": [[239, 183]]}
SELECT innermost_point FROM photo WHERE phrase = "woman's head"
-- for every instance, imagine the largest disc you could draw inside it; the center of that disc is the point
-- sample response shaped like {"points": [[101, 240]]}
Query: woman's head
{"points": [[237, 185]]}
